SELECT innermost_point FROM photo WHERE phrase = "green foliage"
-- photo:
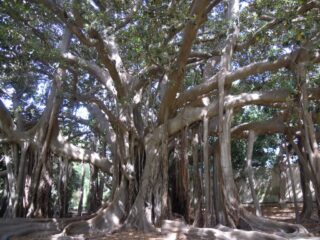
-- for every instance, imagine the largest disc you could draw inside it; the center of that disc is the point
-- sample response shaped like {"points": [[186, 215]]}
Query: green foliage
{"points": [[75, 185], [148, 36], [238, 153]]}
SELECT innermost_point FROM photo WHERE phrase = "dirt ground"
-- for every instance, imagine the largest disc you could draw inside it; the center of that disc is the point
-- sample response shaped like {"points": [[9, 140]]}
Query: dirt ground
{"points": [[272, 211], [287, 214]]}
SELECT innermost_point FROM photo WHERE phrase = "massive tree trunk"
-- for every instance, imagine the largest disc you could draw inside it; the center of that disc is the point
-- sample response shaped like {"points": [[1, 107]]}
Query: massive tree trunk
{"points": [[140, 216], [306, 166], [309, 138], [140, 165], [225, 116]]}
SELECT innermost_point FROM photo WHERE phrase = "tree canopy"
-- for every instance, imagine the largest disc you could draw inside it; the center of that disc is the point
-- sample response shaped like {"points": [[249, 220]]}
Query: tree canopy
{"points": [[151, 93]]}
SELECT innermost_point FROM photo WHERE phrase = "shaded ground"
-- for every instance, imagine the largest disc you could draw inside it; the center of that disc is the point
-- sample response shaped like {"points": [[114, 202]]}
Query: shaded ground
{"points": [[287, 214], [272, 211]]}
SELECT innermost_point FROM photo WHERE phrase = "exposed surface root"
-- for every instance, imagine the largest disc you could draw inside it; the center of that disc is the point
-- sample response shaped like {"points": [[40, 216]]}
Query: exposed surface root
{"points": [[16, 227], [283, 229], [34, 226], [224, 233], [106, 220], [170, 230], [137, 220], [179, 228], [45, 229]]}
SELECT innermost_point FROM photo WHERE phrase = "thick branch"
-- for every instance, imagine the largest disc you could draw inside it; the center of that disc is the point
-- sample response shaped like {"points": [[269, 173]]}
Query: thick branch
{"points": [[102, 76], [193, 114], [241, 73], [270, 126], [176, 76], [106, 48], [60, 147], [114, 120]]}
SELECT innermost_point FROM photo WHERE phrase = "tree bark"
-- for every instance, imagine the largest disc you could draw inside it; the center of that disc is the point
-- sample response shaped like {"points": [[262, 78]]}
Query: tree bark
{"points": [[251, 140], [107, 219], [64, 179], [310, 142], [20, 211], [80, 205], [9, 213], [295, 201], [306, 167], [207, 186], [165, 170], [197, 187], [283, 178], [93, 201], [221, 214], [307, 208], [231, 197]]}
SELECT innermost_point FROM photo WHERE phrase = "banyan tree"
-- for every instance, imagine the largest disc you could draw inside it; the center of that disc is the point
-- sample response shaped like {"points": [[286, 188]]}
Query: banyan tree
{"points": [[165, 85]]}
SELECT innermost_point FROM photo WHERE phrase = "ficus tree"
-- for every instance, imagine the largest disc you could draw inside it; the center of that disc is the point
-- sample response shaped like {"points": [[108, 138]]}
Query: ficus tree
{"points": [[159, 80]]}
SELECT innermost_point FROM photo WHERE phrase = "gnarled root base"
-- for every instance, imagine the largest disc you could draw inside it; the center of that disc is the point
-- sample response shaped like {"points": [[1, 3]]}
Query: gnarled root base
{"points": [[17, 227], [225, 233], [286, 230], [107, 219], [177, 228], [138, 220]]}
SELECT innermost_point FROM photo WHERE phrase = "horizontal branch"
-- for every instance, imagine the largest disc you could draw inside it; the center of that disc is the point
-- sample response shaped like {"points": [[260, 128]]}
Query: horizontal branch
{"points": [[270, 126], [60, 147], [240, 73], [190, 115]]}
